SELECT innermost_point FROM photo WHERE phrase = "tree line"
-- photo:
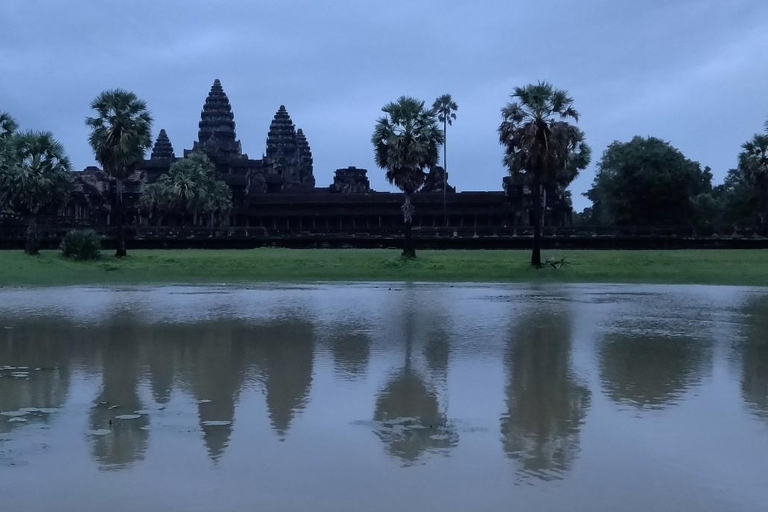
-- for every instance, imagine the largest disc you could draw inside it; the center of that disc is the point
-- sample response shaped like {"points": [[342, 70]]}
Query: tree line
{"points": [[35, 172], [648, 182], [644, 182]]}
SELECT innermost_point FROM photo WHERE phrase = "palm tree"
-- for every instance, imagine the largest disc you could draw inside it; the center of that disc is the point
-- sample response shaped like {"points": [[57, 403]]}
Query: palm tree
{"points": [[445, 108], [218, 202], [406, 141], [541, 144], [753, 160], [37, 180], [191, 186], [120, 134], [7, 125], [7, 129]]}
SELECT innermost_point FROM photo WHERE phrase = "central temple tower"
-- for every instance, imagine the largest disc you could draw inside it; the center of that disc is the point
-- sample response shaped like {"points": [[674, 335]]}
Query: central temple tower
{"points": [[216, 136]]}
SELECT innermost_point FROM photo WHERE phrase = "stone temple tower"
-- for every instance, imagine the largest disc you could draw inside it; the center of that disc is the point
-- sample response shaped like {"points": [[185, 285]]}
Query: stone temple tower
{"points": [[306, 174], [288, 152], [216, 136], [162, 150]]}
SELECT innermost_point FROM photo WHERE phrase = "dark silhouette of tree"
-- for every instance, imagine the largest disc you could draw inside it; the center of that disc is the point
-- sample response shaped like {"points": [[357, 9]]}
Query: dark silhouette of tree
{"points": [[36, 179], [121, 132], [744, 193], [406, 142], [542, 147], [647, 182], [445, 108]]}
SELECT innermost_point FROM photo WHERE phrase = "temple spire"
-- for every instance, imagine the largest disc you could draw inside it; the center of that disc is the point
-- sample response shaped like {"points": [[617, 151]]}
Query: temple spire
{"points": [[162, 150], [282, 148], [217, 124], [306, 173]]}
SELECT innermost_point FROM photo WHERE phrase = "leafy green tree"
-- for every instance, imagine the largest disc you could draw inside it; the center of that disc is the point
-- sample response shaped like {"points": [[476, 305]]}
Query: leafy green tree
{"points": [[38, 179], [542, 147], [647, 182], [121, 132], [406, 141], [191, 187], [445, 108]]}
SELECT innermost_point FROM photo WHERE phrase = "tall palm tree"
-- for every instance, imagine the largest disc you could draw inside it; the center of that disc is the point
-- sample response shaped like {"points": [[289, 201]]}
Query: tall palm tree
{"points": [[445, 108], [37, 180], [541, 144], [120, 134], [406, 141], [753, 160], [7, 129]]}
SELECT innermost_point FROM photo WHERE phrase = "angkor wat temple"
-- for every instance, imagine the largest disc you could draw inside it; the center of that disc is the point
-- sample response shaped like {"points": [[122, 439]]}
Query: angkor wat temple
{"points": [[278, 194]]}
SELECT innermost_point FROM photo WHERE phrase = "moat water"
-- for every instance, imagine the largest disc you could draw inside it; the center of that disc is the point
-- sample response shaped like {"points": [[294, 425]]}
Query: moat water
{"points": [[384, 397]]}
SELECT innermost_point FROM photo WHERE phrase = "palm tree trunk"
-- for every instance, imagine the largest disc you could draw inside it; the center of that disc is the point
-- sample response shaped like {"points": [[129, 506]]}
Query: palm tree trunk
{"points": [[445, 170], [409, 251], [536, 253], [30, 246], [120, 220]]}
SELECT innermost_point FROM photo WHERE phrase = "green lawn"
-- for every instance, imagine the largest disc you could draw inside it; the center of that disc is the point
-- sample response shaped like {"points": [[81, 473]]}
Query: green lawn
{"points": [[739, 267]]}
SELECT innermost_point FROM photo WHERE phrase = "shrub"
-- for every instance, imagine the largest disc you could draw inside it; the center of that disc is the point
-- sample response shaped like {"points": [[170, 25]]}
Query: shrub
{"points": [[81, 244]]}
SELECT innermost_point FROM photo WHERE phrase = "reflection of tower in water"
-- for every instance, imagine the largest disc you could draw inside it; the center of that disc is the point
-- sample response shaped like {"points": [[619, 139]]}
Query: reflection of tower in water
{"points": [[215, 368], [283, 351], [546, 404]]}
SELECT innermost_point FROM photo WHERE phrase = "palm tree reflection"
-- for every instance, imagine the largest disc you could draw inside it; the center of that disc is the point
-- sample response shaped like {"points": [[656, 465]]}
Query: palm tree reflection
{"points": [[119, 438], [546, 404], [407, 416]]}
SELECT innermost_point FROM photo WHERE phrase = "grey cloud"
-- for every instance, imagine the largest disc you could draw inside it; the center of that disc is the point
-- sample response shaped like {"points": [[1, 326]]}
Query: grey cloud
{"points": [[691, 71]]}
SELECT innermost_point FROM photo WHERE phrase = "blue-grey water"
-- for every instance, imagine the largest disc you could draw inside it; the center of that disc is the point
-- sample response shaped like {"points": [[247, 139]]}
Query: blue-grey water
{"points": [[384, 397]]}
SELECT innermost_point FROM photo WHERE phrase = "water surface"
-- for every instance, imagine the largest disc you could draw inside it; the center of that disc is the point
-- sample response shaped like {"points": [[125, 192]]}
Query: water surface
{"points": [[384, 397]]}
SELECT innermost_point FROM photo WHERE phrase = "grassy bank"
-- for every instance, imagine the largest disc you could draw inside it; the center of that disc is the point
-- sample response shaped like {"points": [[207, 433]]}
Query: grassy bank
{"points": [[739, 267]]}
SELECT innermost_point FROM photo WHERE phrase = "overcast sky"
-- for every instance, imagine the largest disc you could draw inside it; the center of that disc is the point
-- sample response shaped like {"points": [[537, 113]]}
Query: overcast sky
{"points": [[694, 72]]}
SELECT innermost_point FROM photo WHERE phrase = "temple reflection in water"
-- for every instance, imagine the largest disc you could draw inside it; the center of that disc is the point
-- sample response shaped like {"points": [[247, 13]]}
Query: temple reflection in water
{"points": [[399, 372]]}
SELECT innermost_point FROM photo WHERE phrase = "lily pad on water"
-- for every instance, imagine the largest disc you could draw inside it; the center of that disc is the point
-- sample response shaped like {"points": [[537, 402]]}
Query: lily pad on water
{"points": [[204, 401], [143, 412], [101, 432], [14, 414], [128, 417], [216, 423], [18, 419]]}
